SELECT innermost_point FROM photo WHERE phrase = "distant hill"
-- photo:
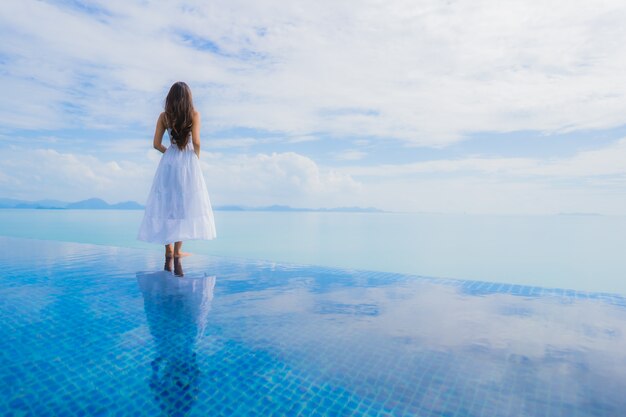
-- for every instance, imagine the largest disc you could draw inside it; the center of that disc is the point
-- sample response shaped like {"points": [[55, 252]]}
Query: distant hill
{"points": [[89, 204], [100, 204], [127, 205], [48, 204]]}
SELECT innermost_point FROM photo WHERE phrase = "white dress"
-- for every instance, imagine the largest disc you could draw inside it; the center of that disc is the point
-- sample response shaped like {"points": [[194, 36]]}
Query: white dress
{"points": [[178, 206]]}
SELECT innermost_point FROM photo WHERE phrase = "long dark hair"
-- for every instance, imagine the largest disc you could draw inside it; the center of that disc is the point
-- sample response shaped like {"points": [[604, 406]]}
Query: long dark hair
{"points": [[179, 113]]}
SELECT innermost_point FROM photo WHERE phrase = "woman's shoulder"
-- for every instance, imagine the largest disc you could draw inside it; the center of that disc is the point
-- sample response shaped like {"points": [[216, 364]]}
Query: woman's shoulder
{"points": [[196, 115], [163, 119]]}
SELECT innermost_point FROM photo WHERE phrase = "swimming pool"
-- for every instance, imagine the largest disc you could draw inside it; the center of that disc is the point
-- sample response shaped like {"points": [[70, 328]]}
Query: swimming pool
{"points": [[98, 330]]}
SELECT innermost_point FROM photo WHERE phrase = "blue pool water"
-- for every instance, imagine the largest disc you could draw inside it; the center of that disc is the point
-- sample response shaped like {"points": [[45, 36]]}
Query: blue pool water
{"points": [[103, 331], [580, 252]]}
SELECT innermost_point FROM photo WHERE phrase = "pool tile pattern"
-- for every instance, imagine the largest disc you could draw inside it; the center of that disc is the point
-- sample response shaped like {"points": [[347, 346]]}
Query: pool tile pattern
{"points": [[91, 330]]}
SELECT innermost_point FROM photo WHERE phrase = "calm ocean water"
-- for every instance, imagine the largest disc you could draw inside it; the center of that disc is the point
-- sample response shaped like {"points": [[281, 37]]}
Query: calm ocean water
{"points": [[577, 252]]}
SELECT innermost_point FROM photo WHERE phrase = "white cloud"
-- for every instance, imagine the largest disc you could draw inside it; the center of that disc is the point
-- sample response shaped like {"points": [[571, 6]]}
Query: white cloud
{"points": [[589, 181], [426, 72], [46, 173], [497, 186], [277, 178], [584, 165], [261, 179]]}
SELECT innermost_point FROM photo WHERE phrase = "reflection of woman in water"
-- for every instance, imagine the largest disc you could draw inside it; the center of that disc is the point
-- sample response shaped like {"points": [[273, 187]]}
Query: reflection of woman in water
{"points": [[177, 311]]}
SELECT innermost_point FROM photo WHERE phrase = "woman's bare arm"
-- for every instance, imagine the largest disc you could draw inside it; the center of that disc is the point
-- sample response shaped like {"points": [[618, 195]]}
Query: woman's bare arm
{"points": [[195, 133], [158, 134]]}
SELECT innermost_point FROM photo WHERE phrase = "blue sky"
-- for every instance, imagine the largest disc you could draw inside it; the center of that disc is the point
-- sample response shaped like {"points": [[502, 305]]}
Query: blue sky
{"points": [[461, 106]]}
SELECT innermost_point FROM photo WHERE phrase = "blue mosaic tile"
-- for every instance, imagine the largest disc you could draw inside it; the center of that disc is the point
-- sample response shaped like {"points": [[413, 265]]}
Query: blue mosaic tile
{"points": [[93, 330]]}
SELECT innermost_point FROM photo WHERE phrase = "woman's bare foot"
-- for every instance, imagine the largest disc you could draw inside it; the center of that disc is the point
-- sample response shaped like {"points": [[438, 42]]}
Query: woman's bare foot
{"points": [[181, 254]]}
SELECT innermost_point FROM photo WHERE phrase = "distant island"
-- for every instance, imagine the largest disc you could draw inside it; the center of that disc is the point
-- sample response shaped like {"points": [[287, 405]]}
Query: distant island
{"points": [[89, 204], [100, 204]]}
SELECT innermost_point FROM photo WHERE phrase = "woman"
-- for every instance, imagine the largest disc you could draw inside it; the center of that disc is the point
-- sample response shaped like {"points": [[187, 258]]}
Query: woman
{"points": [[178, 206]]}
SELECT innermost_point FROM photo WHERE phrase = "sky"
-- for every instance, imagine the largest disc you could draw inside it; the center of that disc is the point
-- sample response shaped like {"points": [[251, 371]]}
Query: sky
{"points": [[481, 106]]}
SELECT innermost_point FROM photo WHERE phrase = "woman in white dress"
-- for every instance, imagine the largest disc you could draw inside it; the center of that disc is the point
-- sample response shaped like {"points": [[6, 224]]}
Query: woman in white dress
{"points": [[178, 206]]}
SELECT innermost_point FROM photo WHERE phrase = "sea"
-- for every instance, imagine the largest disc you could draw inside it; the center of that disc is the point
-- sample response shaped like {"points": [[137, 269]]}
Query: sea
{"points": [[580, 252]]}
